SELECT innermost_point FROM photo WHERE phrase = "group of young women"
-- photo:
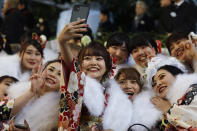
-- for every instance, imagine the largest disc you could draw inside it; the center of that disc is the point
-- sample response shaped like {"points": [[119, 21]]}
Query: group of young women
{"points": [[81, 94]]}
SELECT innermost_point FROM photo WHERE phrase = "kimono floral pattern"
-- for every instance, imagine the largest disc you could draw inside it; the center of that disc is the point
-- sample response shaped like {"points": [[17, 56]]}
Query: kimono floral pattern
{"points": [[70, 105], [184, 113], [6, 106]]}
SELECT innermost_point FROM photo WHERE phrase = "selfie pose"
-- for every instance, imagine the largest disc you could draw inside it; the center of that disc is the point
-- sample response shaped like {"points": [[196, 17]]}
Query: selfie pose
{"points": [[84, 97]]}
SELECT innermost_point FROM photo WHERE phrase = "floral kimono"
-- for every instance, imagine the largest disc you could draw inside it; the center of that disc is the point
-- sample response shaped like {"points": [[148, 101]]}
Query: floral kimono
{"points": [[183, 96], [71, 102], [6, 106]]}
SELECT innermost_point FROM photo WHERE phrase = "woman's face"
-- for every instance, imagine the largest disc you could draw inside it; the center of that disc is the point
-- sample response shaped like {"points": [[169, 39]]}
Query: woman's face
{"points": [[140, 9], [4, 85], [120, 53], [178, 49], [31, 57], [130, 87], [162, 81], [52, 78], [143, 54], [94, 66]]}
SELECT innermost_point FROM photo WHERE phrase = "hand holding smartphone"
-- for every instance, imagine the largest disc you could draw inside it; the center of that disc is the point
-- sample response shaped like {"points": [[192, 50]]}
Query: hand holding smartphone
{"points": [[80, 11]]}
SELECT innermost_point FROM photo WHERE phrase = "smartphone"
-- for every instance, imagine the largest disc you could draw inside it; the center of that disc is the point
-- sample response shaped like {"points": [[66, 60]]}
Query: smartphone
{"points": [[80, 11], [20, 126]]}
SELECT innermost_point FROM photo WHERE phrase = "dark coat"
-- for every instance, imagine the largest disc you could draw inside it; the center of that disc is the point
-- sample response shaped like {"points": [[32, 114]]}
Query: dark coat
{"points": [[13, 26], [145, 24], [179, 19]]}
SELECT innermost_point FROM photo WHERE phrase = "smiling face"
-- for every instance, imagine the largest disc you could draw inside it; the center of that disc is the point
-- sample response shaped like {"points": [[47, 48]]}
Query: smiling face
{"points": [[52, 79], [120, 53], [178, 50], [4, 85], [30, 58], [94, 66], [162, 81], [143, 54], [129, 86]]}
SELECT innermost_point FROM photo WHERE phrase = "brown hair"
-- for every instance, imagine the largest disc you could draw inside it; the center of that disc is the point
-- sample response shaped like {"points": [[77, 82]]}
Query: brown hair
{"points": [[96, 49], [130, 74], [34, 43]]}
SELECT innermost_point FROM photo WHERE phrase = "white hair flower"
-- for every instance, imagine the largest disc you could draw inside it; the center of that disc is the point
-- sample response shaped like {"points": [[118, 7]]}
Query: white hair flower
{"points": [[85, 40]]}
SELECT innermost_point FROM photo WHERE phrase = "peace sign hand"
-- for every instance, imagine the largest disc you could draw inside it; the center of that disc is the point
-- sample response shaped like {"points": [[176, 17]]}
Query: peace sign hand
{"points": [[37, 80]]}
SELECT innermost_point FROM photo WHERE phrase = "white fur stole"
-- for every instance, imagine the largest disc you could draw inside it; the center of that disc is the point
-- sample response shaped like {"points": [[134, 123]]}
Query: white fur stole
{"points": [[41, 113], [118, 113], [10, 65], [144, 112], [180, 86], [94, 96]]}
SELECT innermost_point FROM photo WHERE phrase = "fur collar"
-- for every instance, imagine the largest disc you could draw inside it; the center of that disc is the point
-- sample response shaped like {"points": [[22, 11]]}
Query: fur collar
{"points": [[118, 113], [94, 96], [144, 111], [41, 113], [180, 86], [18, 89], [10, 65]]}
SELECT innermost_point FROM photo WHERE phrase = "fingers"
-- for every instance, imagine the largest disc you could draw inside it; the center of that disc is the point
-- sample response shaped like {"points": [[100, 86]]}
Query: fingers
{"points": [[155, 100], [11, 126], [78, 22], [26, 124], [40, 68]]}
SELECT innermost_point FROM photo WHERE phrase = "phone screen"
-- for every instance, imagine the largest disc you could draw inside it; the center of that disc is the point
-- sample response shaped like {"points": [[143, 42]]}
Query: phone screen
{"points": [[79, 12]]}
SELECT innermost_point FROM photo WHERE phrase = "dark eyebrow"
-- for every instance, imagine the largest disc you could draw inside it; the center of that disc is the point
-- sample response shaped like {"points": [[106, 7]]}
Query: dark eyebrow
{"points": [[52, 67], [161, 74], [29, 50]]}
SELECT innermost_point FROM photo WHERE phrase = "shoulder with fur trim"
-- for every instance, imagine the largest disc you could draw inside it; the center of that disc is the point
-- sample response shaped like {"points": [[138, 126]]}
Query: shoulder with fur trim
{"points": [[118, 113], [41, 113], [94, 96], [180, 86], [144, 111]]}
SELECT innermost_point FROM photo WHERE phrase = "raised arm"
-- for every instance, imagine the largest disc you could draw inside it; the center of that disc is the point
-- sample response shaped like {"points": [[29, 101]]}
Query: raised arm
{"points": [[70, 31]]}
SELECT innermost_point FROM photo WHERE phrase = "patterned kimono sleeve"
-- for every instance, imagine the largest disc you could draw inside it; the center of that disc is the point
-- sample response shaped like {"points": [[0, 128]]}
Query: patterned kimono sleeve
{"points": [[71, 89], [6, 106], [184, 113]]}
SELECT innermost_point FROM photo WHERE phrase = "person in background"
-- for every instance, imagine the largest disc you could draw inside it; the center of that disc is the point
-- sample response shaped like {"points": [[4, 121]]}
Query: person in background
{"points": [[117, 46], [180, 46], [141, 22], [143, 48], [163, 18], [165, 3], [181, 12], [105, 25], [13, 25], [28, 16]]}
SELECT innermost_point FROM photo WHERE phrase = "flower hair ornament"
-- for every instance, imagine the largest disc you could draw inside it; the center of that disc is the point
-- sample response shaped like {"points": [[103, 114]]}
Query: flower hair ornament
{"points": [[160, 61], [42, 39], [85, 40]]}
